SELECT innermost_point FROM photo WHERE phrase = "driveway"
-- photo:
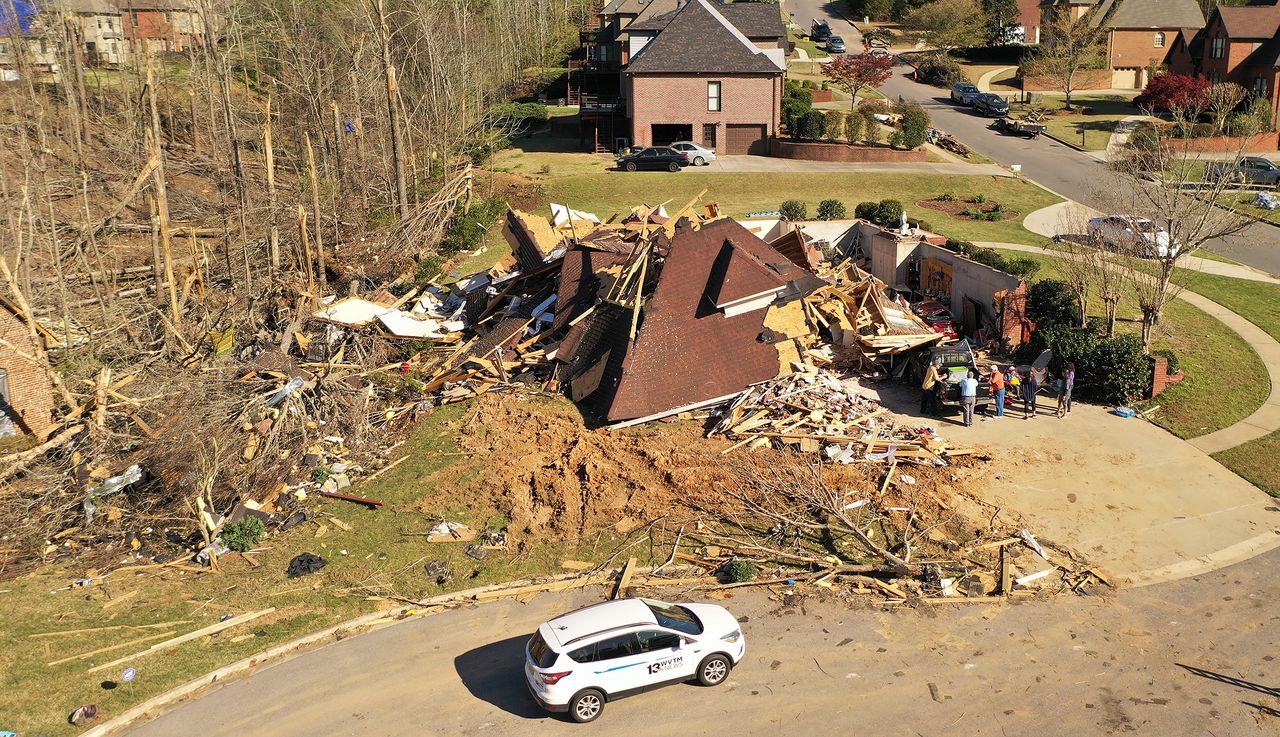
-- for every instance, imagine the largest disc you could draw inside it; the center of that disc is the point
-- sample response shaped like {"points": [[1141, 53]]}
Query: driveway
{"points": [[769, 164], [1066, 171], [1070, 666]]}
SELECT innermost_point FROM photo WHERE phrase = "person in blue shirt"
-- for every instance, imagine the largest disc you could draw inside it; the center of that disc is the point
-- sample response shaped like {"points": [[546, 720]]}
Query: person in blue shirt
{"points": [[969, 397]]}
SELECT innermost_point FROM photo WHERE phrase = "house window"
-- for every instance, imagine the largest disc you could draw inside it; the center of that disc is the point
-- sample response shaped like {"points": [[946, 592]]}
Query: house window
{"points": [[3, 48], [1159, 40], [1219, 49], [713, 97], [1260, 87]]}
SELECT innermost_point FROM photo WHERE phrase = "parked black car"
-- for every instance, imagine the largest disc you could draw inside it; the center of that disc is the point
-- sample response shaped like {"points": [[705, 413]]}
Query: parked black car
{"points": [[992, 106], [820, 31], [656, 157]]}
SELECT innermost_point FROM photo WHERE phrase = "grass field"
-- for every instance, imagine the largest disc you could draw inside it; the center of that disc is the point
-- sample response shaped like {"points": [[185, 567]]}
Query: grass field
{"points": [[1210, 355], [740, 193], [374, 557], [1105, 111]]}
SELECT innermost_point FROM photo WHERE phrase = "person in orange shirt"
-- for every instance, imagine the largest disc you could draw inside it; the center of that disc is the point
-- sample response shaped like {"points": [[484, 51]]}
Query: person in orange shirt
{"points": [[997, 389]]}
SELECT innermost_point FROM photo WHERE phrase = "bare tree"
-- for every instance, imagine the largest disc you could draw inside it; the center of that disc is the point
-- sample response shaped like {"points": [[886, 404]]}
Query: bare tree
{"points": [[1071, 45], [1223, 98]]}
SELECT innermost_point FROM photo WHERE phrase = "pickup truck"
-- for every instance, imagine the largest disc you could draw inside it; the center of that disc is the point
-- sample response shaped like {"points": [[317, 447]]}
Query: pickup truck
{"points": [[957, 362], [1248, 170]]}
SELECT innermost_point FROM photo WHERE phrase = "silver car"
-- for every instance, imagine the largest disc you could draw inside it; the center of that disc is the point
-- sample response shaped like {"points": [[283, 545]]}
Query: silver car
{"points": [[698, 155], [964, 93], [1132, 234]]}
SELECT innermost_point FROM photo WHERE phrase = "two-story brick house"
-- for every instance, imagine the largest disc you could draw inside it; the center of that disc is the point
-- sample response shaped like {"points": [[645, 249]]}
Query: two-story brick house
{"points": [[1238, 44], [101, 26], [708, 72], [1139, 33], [161, 25], [657, 71]]}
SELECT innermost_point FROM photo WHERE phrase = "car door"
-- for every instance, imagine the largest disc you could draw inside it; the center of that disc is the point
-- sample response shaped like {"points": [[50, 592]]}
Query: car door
{"points": [[616, 664], [669, 658]]}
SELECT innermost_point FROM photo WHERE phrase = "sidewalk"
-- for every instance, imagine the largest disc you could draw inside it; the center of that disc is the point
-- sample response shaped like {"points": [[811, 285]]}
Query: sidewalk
{"points": [[771, 164]]}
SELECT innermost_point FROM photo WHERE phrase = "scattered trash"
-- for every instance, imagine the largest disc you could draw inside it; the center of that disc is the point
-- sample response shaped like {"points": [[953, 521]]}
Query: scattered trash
{"points": [[477, 552], [84, 716], [304, 564]]}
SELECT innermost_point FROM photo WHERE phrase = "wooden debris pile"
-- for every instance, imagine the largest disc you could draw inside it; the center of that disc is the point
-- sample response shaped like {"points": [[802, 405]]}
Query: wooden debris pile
{"points": [[814, 411]]}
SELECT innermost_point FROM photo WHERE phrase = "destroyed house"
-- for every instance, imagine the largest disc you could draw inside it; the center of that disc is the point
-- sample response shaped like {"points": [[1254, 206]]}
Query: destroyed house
{"points": [[701, 334]]}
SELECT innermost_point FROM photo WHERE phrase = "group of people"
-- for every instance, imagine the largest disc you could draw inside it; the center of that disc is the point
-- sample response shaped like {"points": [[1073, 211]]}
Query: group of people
{"points": [[1006, 384]]}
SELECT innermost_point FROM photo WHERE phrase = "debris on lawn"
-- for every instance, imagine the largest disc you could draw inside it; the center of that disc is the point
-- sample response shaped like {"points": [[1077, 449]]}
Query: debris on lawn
{"points": [[304, 564]]}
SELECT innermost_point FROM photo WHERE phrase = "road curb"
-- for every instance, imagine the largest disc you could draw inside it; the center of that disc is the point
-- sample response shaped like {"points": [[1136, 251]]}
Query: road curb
{"points": [[1067, 143], [158, 704]]}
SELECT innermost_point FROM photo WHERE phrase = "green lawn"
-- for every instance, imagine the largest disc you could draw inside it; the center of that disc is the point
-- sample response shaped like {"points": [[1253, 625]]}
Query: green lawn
{"points": [[1097, 122], [740, 193], [373, 558], [1243, 202], [1210, 355]]}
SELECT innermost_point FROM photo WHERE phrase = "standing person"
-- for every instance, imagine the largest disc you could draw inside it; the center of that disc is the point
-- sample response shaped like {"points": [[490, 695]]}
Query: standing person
{"points": [[997, 389], [1066, 383], [969, 397], [930, 387], [1030, 388]]}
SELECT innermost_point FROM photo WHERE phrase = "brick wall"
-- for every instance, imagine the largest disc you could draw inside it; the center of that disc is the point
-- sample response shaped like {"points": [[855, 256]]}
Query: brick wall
{"points": [[30, 393], [1137, 48], [841, 152], [1160, 378], [1089, 79], [1264, 143], [161, 30], [663, 99]]}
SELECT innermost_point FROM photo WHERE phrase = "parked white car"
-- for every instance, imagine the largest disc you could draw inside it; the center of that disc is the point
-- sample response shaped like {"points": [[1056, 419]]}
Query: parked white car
{"points": [[580, 660], [699, 155], [1132, 234]]}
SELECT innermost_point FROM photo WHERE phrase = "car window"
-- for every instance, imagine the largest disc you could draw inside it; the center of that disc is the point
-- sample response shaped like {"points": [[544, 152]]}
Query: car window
{"points": [[618, 646], [652, 641], [543, 656], [674, 617], [648, 153], [682, 147]]}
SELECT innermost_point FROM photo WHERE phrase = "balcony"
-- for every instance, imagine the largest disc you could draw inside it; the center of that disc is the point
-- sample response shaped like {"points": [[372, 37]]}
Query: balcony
{"points": [[600, 104]]}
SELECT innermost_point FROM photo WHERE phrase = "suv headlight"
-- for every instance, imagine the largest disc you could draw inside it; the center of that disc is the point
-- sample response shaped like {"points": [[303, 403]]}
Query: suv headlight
{"points": [[733, 636]]}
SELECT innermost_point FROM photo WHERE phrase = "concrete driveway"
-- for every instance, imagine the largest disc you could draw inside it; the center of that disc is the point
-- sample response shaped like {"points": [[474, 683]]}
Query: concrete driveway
{"points": [[1070, 666], [771, 164]]}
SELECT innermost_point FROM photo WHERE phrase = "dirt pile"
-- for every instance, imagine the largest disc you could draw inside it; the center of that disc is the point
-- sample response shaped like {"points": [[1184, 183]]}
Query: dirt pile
{"points": [[533, 461]]}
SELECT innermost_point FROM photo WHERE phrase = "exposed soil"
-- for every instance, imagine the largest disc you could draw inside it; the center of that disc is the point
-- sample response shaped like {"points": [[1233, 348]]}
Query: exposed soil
{"points": [[955, 208], [535, 462]]}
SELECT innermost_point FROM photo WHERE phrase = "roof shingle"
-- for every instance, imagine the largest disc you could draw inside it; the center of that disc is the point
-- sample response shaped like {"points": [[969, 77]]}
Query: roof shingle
{"points": [[698, 39]]}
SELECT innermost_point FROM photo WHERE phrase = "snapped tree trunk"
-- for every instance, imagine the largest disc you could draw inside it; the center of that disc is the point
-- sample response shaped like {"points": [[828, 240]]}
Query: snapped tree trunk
{"points": [[393, 113]]}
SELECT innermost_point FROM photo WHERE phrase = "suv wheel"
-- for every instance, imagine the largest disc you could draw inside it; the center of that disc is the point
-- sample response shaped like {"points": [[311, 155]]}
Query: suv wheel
{"points": [[673, 166], [586, 705], [713, 670], [630, 166]]}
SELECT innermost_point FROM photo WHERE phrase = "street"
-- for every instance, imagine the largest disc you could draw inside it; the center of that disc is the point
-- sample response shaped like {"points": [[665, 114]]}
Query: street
{"points": [[1050, 164], [1075, 665]]}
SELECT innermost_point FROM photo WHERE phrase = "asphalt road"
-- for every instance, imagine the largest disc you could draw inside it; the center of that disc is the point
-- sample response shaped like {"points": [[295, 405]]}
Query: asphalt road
{"points": [[1068, 666], [1050, 164]]}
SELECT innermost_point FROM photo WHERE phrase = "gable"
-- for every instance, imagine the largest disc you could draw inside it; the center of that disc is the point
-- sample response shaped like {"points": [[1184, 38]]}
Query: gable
{"points": [[698, 39]]}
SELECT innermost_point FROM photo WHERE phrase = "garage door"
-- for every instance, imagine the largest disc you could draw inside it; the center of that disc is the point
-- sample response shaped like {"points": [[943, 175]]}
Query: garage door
{"points": [[747, 139]]}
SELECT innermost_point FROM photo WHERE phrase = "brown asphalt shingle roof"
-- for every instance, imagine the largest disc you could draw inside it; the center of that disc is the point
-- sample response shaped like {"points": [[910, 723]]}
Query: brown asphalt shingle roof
{"points": [[696, 41], [754, 20], [686, 350], [1259, 21]]}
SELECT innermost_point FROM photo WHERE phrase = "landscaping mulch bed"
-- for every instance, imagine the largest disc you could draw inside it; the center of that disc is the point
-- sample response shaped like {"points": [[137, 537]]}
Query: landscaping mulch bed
{"points": [[956, 207]]}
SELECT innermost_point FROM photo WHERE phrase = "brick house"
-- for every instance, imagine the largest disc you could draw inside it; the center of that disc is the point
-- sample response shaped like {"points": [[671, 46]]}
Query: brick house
{"points": [[1027, 25], [1238, 44], [161, 25], [26, 394], [1139, 33], [709, 73], [101, 26]]}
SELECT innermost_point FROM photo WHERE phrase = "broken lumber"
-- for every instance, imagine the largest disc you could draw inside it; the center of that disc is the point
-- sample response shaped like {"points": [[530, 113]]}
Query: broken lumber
{"points": [[349, 498], [167, 644], [624, 580], [109, 648]]}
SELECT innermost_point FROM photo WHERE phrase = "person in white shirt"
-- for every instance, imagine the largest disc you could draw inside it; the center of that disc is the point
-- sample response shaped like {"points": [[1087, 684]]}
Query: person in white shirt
{"points": [[969, 397]]}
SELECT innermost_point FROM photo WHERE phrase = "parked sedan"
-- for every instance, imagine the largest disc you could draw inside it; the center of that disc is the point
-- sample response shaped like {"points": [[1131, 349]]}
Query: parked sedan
{"points": [[698, 155], [656, 157], [1131, 234], [992, 106], [835, 45], [963, 93]]}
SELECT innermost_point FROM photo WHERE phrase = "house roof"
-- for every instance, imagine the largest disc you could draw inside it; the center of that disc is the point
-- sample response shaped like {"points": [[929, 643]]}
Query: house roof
{"points": [[686, 350], [699, 39], [1257, 21], [127, 5], [85, 7], [1149, 14], [753, 20], [738, 275], [626, 6]]}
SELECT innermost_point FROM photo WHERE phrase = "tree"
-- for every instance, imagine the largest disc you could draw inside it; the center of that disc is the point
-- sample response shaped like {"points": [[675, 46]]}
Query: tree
{"points": [[853, 127], [1169, 92], [948, 24], [793, 210], [1002, 18], [831, 210], [1223, 98], [1052, 302], [854, 74], [871, 132], [796, 101], [813, 125], [835, 124], [1168, 186], [1070, 46]]}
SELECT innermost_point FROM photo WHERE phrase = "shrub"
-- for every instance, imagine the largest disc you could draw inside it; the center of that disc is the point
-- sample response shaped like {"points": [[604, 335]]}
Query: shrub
{"points": [[997, 207], [1144, 137], [796, 101], [971, 212], [518, 116], [1171, 357], [739, 570], [940, 71], [853, 126], [1119, 372], [897, 140], [979, 198], [946, 197], [809, 85], [831, 210], [961, 247], [1168, 91], [915, 126], [243, 534], [794, 210], [871, 131], [834, 125], [467, 230], [866, 210], [888, 213], [1051, 302], [874, 105], [987, 256], [1023, 267], [993, 217], [813, 125], [429, 267], [1260, 110]]}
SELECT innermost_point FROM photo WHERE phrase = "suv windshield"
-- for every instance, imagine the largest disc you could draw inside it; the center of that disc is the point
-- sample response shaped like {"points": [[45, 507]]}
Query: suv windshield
{"points": [[674, 617]]}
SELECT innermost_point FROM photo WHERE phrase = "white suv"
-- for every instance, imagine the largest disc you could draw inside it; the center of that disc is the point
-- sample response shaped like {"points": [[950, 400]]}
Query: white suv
{"points": [[578, 661]]}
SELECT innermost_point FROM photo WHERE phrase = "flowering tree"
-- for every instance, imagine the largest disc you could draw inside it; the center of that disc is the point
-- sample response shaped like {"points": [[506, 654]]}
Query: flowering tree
{"points": [[856, 73], [1171, 92]]}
